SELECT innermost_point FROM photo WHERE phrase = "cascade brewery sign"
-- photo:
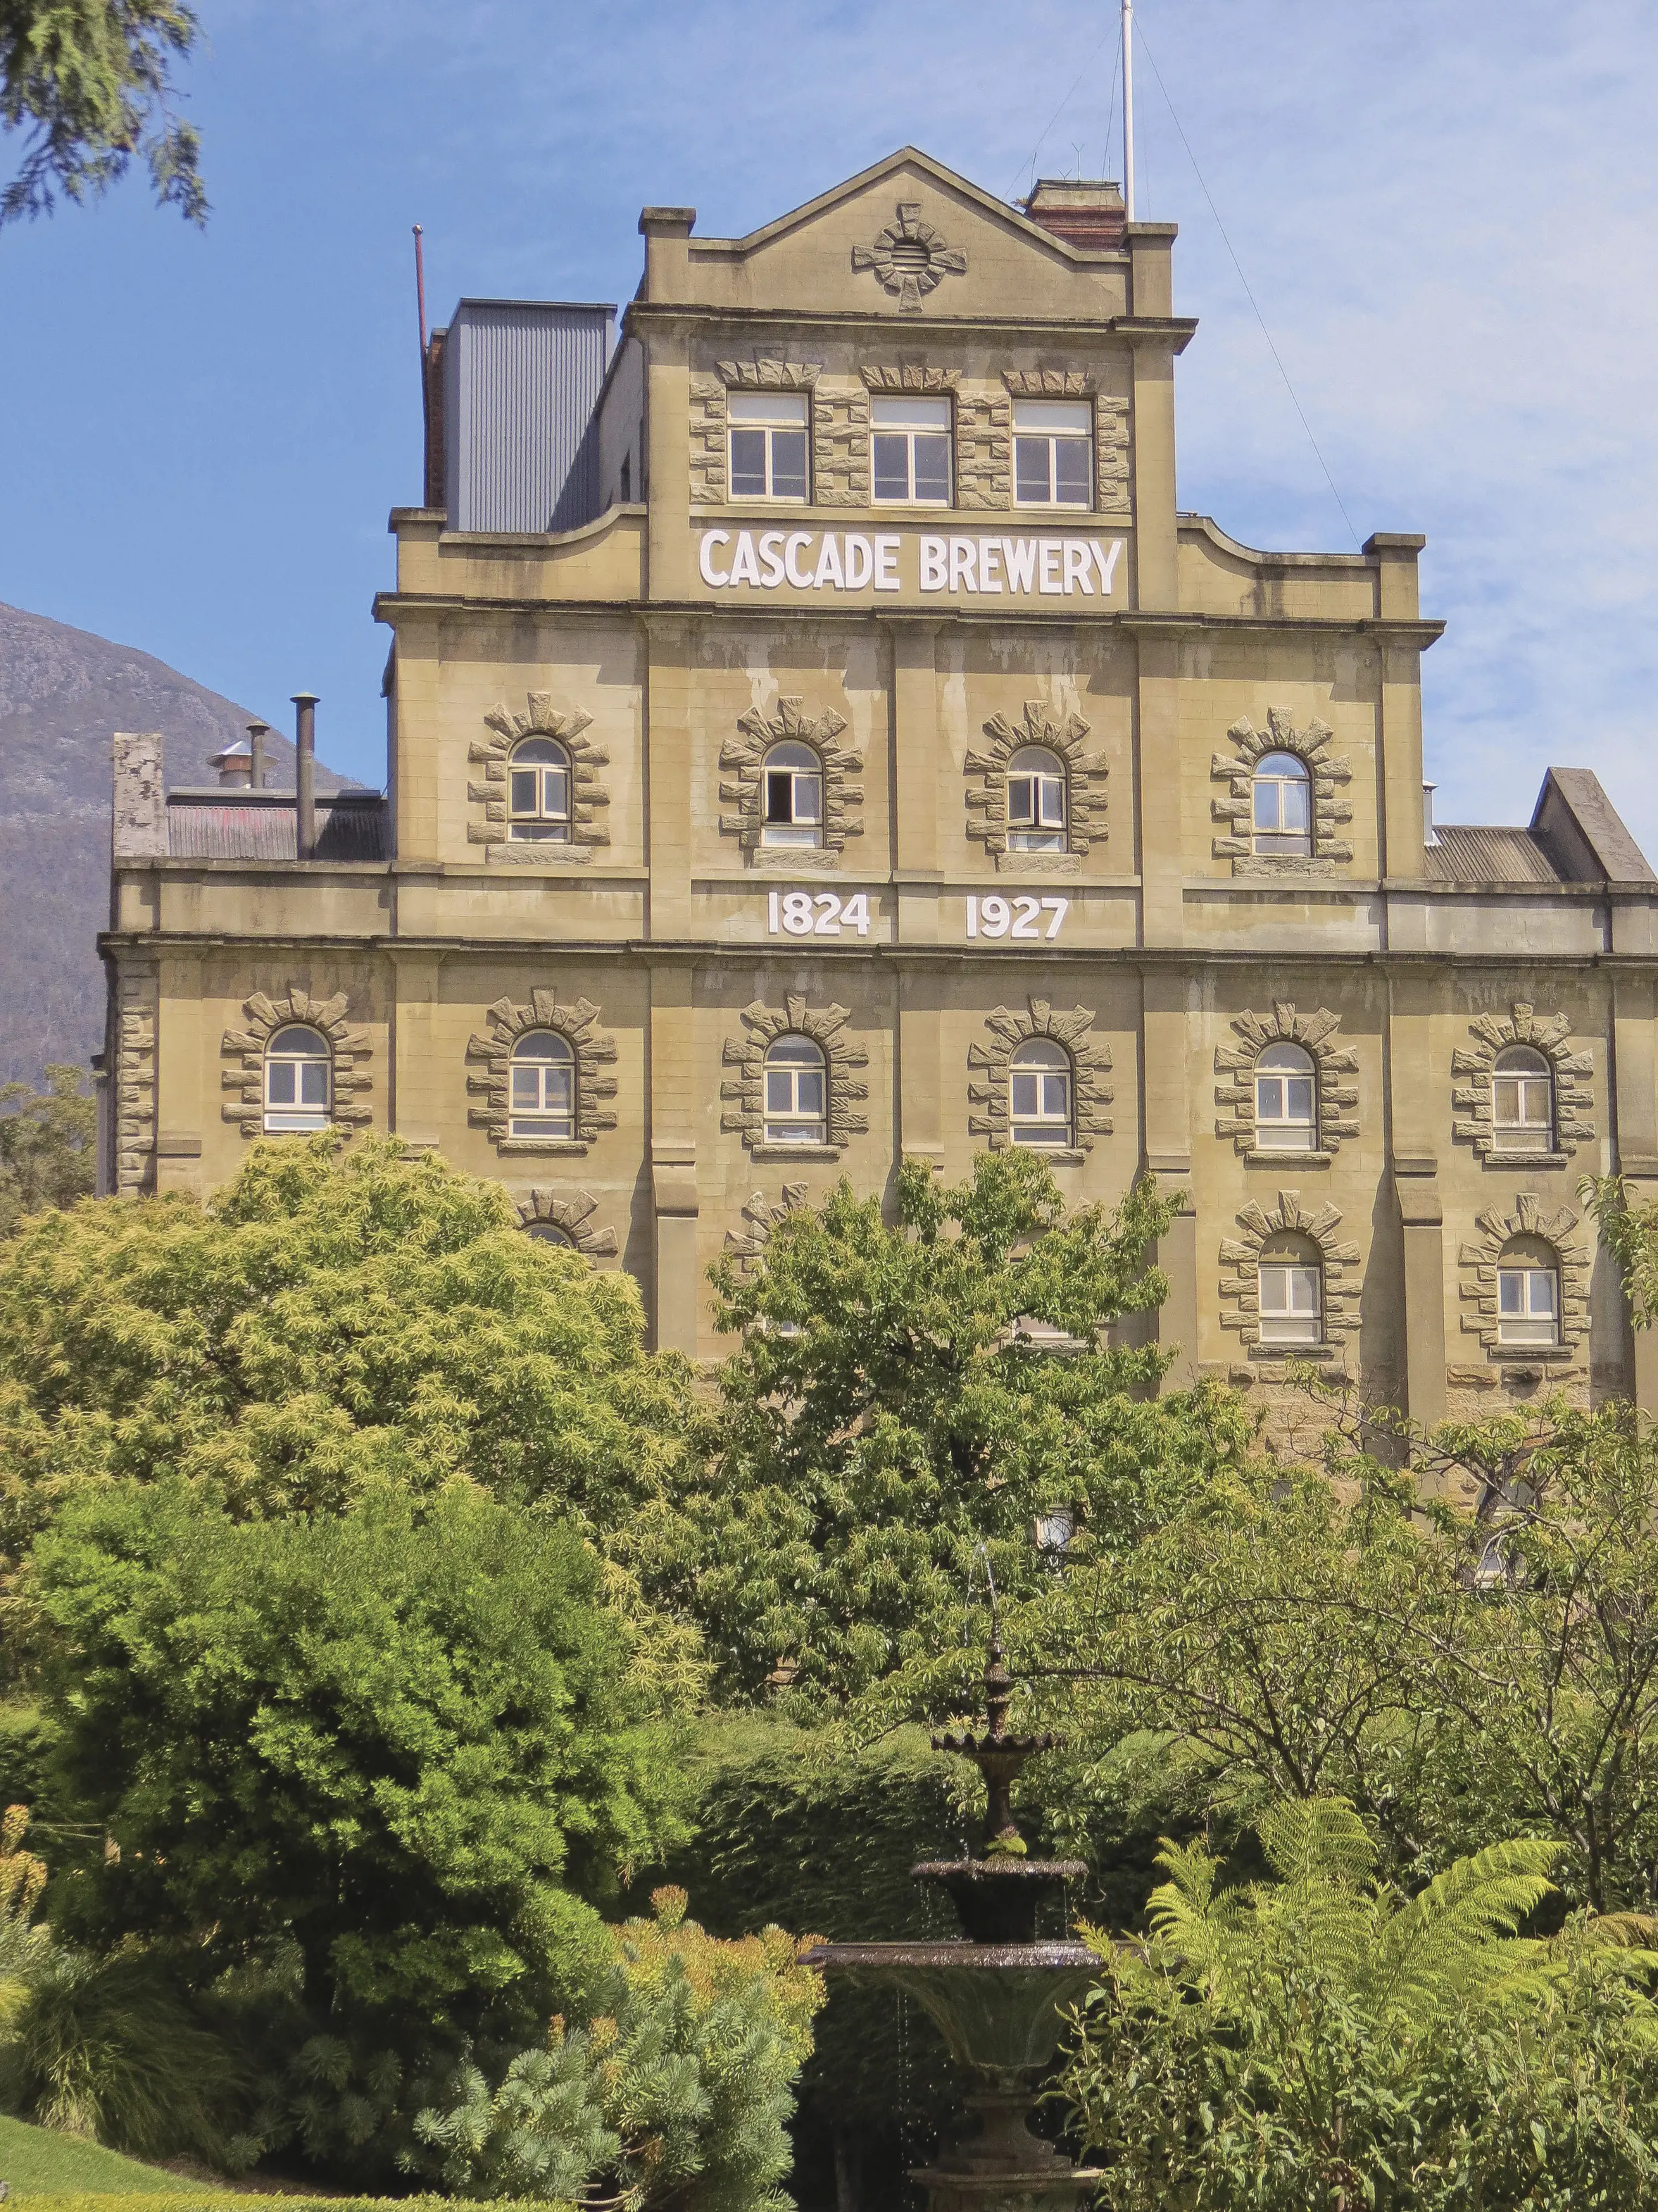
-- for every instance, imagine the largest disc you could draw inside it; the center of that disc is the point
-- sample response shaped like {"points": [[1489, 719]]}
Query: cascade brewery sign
{"points": [[847, 561]]}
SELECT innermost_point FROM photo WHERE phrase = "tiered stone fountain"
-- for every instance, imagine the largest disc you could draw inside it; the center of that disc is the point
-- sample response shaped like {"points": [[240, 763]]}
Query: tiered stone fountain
{"points": [[994, 1991]]}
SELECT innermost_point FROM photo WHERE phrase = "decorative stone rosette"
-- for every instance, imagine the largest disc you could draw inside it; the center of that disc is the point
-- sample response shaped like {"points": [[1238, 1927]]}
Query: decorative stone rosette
{"points": [[487, 796], [348, 1047], [762, 1215], [1332, 1062], [570, 1213], [1477, 1264], [1085, 778], [1472, 1067], [1327, 774], [491, 1049], [1091, 1064], [1240, 1262], [1111, 419], [743, 759], [744, 1093], [909, 257]]}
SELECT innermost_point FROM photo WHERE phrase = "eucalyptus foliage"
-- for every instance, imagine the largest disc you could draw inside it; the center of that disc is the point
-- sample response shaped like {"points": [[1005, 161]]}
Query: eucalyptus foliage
{"points": [[88, 83]]}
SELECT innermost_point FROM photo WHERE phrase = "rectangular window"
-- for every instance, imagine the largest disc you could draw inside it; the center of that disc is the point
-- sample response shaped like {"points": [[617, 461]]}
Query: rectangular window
{"points": [[1052, 452], [1527, 1305], [1289, 1304], [911, 443], [767, 443]]}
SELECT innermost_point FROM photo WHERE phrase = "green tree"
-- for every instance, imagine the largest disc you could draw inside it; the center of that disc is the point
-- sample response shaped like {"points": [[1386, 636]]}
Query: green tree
{"points": [[1466, 1651], [90, 83], [1318, 2039], [908, 1396], [48, 1144], [329, 1320], [407, 1754]]}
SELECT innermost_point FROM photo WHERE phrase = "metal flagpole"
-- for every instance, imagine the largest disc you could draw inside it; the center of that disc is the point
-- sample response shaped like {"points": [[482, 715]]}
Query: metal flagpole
{"points": [[1128, 108]]}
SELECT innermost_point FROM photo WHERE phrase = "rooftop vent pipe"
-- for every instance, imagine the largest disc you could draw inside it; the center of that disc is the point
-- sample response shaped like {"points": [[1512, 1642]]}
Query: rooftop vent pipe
{"points": [[256, 734], [1430, 834], [232, 765], [305, 774]]}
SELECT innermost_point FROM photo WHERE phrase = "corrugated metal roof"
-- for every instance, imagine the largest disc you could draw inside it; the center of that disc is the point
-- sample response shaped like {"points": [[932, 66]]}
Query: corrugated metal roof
{"points": [[350, 826], [1475, 855]]}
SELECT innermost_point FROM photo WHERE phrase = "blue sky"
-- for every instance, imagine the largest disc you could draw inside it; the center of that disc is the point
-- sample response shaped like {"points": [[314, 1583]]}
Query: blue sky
{"points": [[1445, 213]]}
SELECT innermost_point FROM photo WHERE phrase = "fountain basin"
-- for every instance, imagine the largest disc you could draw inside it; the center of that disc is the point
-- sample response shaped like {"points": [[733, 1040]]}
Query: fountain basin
{"points": [[996, 2005]]}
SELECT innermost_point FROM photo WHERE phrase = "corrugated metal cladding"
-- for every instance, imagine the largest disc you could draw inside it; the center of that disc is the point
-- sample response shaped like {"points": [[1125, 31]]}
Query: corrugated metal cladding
{"points": [[1482, 855], [353, 826], [522, 380]]}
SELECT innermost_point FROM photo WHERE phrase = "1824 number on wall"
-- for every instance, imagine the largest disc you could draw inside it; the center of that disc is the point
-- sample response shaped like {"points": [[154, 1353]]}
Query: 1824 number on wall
{"points": [[1016, 917], [817, 914]]}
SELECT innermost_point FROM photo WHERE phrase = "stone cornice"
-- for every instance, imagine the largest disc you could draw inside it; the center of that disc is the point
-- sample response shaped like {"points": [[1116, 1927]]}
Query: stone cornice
{"points": [[1137, 330]]}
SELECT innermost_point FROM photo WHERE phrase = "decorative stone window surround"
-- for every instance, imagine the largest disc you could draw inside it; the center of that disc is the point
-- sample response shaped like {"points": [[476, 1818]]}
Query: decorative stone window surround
{"points": [[910, 258], [1240, 1280], [744, 758], [569, 1212], [1573, 1074], [1091, 1064], [493, 1049], [743, 1094], [136, 996], [1316, 1035], [1085, 778], [348, 1047], [747, 1246], [1111, 494], [1326, 772], [487, 799], [1477, 1264], [839, 415]]}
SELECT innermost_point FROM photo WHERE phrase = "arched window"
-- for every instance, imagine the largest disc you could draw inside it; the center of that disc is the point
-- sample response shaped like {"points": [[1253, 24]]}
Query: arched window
{"points": [[548, 1232], [1286, 1100], [792, 784], [1527, 1292], [797, 1092], [1523, 1102], [1290, 1280], [1039, 1093], [543, 1101], [299, 1079], [538, 809], [1282, 811], [1035, 801]]}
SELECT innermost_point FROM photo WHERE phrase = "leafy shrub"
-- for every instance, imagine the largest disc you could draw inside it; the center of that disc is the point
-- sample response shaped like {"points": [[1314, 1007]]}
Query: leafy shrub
{"points": [[678, 2091]]}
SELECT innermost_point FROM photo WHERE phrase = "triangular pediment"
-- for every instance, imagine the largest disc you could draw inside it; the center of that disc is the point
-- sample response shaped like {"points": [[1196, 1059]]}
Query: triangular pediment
{"points": [[910, 238]]}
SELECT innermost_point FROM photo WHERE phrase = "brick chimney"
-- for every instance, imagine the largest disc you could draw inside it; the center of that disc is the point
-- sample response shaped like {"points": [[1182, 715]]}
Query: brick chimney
{"points": [[1083, 212]]}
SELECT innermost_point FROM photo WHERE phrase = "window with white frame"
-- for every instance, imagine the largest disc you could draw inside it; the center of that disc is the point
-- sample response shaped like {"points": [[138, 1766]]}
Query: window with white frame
{"points": [[1527, 1293], [1035, 801], [910, 441], [1052, 452], [541, 1102], [792, 784], [768, 432], [1523, 1102], [1282, 814], [538, 793], [1039, 1094], [299, 1080], [1286, 1100], [797, 1092], [1290, 1278]]}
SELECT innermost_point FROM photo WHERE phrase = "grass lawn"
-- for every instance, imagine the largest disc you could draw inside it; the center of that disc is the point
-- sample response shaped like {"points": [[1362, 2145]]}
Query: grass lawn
{"points": [[38, 2162]]}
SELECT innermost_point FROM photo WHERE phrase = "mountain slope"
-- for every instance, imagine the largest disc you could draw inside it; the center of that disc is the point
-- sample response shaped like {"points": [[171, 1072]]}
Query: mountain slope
{"points": [[64, 692]]}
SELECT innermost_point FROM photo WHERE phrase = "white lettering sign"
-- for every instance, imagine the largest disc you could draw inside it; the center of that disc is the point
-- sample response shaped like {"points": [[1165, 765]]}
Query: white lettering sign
{"points": [[847, 561], [1016, 917], [817, 914]]}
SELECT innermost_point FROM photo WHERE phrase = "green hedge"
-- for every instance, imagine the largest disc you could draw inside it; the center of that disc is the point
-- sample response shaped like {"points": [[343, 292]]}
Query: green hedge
{"points": [[199, 2198]]}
